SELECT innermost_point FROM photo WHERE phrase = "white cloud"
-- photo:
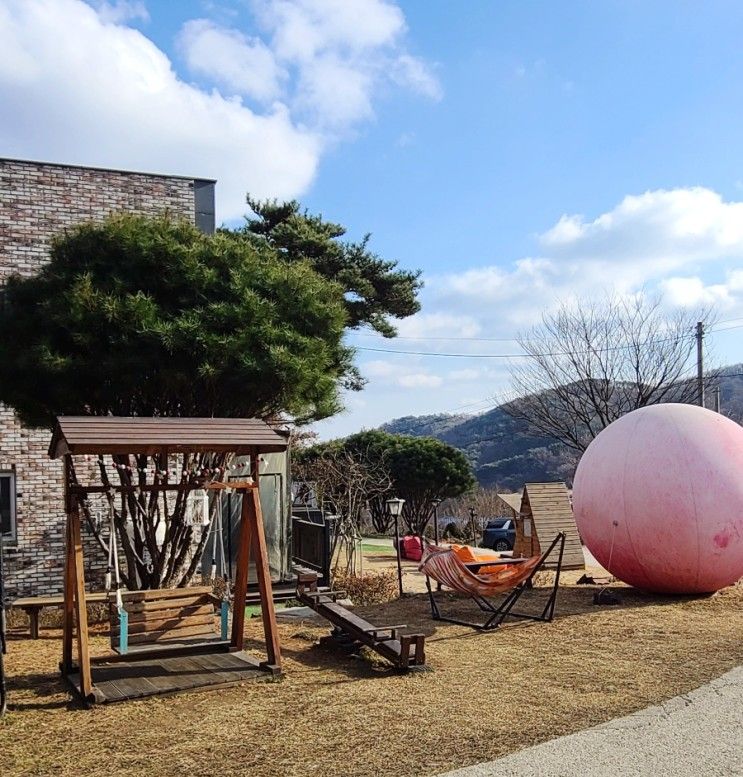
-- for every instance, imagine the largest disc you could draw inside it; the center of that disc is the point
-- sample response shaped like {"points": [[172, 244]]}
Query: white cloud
{"points": [[395, 373], [693, 292], [463, 375], [405, 139], [340, 52], [243, 65], [78, 90], [122, 11], [665, 240], [414, 72], [686, 244], [77, 85], [420, 380], [378, 368], [332, 95], [661, 229], [303, 29], [442, 325]]}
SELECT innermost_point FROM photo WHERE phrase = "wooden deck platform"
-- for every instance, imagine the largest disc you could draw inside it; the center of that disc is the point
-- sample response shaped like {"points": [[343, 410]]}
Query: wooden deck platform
{"points": [[121, 680]]}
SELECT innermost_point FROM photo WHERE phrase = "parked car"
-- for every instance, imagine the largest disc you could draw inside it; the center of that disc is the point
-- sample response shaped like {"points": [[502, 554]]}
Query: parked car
{"points": [[499, 534]]}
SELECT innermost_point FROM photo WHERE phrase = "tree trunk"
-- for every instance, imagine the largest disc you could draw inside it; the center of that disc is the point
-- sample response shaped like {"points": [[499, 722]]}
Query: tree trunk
{"points": [[138, 515]]}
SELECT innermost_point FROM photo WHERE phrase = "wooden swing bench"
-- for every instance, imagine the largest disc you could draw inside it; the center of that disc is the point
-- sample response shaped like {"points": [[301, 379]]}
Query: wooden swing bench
{"points": [[403, 651], [166, 627], [165, 616]]}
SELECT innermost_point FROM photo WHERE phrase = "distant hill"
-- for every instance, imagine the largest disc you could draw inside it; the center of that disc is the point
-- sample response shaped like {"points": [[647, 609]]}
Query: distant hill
{"points": [[505, 454]]}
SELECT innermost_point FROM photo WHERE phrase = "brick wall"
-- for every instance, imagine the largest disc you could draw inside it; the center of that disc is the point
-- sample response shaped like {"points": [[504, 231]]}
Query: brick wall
{"points": [[38, 201]]}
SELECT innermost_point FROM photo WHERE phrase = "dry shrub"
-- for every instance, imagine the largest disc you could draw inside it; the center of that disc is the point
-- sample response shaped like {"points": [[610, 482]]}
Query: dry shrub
{"points": [[368, 588], [543, 579]]}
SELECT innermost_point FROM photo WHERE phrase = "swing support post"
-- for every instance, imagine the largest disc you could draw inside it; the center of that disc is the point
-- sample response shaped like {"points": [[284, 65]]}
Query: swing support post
{"points": [[253, 539]]}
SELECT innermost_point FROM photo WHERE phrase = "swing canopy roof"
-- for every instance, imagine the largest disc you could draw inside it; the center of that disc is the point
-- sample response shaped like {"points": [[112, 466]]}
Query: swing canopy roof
{"points": [[122, 435]]}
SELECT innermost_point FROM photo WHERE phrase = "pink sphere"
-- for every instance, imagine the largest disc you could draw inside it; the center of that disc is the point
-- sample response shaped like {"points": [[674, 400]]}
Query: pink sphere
{"points": [[658, 499]]}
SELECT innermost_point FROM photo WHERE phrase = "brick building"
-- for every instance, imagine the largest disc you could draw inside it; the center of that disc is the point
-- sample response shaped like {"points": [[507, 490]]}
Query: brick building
{"points": [[37, 201]]}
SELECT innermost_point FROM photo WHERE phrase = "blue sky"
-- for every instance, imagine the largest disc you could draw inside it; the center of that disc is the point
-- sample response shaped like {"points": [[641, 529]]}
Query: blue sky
{"points": [[519, 153]]}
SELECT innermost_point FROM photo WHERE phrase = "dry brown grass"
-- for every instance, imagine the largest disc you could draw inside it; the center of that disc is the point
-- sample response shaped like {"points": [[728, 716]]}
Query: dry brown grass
{"points": [[488, 694], [377, 587]]}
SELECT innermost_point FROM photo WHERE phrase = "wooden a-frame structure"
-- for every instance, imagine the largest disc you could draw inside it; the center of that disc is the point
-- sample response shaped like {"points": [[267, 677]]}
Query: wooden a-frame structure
{"points": [[165, 669], [546, 511]]}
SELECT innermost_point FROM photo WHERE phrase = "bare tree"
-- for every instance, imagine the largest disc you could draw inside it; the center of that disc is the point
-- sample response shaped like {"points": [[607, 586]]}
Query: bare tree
{"points": [[381, 520], [591, 362], [159, 545], [342, 482]]}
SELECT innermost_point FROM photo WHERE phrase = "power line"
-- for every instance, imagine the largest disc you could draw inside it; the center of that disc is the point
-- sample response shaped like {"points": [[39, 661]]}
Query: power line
{"points": [[724, 329], [442, 339], [430, 338], [460, 355], [715, 328], [493, 401], [486, 401], [453, 355], [445, 355]]}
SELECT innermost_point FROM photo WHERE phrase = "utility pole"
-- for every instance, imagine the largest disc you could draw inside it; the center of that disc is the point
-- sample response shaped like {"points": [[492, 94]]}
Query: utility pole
{"points": [[717, 399], [700, 362]]}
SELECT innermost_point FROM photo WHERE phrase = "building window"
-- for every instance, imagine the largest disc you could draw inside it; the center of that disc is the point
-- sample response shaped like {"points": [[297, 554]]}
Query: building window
{"points": [[7, 505]]}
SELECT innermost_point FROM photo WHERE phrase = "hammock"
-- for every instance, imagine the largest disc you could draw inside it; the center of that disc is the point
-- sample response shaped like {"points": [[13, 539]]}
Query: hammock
{"points": [[479, 574], [449, 566]]}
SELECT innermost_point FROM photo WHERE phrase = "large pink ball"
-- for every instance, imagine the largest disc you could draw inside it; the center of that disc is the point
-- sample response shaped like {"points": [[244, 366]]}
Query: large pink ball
{"points": [[671, 478]]}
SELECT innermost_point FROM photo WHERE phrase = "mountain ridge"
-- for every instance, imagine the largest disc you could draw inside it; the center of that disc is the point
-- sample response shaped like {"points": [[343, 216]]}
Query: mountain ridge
{"points": [[505, 453]]}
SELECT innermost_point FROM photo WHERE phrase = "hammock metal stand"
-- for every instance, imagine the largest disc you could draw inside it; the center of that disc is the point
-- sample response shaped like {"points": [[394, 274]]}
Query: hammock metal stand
{"points": [[498, 613]]}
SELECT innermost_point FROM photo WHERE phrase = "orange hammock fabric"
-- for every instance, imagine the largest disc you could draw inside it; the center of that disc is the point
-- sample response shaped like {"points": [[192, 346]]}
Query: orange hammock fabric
{"points": [[448, 567], [471, 555]]}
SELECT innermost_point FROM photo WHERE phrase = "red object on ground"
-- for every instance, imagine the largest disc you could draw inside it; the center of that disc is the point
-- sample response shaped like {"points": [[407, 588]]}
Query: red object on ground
{"points": [[412, 548]]}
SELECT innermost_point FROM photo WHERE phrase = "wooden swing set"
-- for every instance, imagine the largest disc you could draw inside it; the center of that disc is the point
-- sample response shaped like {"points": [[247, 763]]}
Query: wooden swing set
{"points": [[171, 651]]}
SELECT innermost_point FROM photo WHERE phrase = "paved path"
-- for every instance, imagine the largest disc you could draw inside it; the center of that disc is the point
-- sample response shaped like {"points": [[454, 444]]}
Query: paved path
{"points": [[700, 733]]}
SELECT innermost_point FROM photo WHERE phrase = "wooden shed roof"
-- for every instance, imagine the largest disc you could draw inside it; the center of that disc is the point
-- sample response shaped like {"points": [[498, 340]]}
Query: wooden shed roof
{"points": [[120, 435], [551, 512], [512, 500]]}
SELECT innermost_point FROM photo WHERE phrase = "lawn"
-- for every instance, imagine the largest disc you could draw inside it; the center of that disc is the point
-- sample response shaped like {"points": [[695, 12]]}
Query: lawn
{"points": [[487, 695], [373, 549]]}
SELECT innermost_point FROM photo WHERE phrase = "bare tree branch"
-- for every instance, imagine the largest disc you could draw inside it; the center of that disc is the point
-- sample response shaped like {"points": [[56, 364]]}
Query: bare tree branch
{"points": [[591, 362]]}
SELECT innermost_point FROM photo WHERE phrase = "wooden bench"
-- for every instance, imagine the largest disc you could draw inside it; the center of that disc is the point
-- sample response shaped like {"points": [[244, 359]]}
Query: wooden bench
{"points": [[33, 605], [165, 615]]}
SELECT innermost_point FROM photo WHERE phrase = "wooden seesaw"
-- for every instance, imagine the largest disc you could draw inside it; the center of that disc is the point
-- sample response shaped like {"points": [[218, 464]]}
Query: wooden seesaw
{"points": [[403, 651]]}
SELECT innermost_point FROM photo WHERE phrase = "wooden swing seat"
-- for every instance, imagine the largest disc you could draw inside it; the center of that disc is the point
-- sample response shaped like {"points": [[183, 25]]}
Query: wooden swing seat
{"points": [[165, 615]]}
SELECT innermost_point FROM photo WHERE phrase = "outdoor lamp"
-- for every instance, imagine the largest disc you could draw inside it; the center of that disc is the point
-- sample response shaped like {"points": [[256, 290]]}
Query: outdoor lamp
{"points": [[394, 508]]}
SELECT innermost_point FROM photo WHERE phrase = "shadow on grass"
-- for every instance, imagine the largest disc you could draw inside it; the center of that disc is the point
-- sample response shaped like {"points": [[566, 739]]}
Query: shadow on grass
{"points": [[41, 687], [414, 610], [572, 602], [351, 668]]}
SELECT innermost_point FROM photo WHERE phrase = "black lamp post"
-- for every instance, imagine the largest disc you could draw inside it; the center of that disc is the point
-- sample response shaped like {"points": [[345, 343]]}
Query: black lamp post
{"points": [[473, 517], [394, 508], [436, 503]]}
